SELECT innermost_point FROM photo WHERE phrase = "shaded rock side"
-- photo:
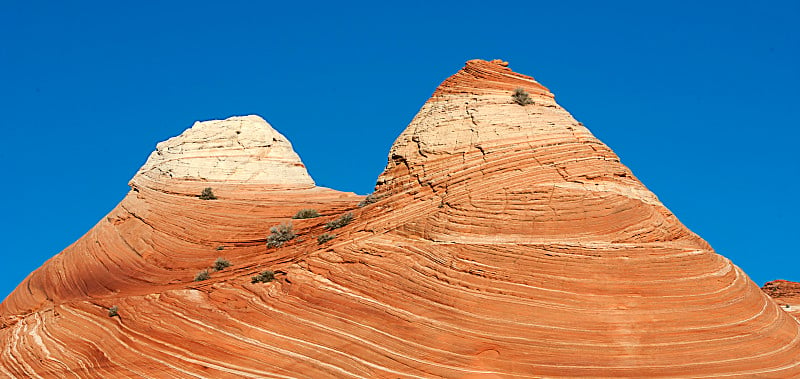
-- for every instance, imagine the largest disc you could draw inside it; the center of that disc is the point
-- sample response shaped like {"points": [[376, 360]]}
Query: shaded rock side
{"points": [[501, 241]]}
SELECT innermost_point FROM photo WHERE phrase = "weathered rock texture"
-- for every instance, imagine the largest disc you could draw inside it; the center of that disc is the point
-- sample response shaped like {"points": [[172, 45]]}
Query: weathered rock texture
{"points": [[786, 294], [504, 241], [239, 150]]}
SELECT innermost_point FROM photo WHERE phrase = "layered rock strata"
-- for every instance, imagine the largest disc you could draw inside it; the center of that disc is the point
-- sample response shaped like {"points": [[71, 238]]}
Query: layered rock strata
{"points": [[162, 233], [502, 240]]}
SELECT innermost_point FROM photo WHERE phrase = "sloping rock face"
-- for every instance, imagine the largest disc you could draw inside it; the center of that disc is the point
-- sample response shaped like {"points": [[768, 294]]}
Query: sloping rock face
{"points": [[502, 240], [151, 246], [786, 294]]}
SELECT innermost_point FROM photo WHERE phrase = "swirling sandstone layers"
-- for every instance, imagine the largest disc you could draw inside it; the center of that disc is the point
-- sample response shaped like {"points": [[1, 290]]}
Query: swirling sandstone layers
{"points": [[152, 245], [506, 241]]}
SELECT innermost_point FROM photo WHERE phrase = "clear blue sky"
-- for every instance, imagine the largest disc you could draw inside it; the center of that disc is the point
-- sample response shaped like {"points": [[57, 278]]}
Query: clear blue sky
{"points": [[700, 101]]}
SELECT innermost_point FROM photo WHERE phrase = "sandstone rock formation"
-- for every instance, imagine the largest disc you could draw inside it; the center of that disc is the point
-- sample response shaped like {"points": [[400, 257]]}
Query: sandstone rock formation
{"points": [[239, 150], [786, 294], [501, 241]]}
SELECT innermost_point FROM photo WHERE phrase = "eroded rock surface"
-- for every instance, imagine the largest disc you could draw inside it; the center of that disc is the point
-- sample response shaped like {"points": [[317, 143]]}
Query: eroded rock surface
{"points": [[501, 241], [238, 150], [786, 294]]}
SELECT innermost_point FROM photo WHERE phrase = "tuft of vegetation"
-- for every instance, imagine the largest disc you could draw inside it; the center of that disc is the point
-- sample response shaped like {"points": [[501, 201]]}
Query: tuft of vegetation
{"points": [[280, 234], [207, 194], [264, 277], [522, 97], [221, 264], [202, 275], [340, 222], [371, 198], [113, 311], [325, 237], [306, 213], [220, 247]]}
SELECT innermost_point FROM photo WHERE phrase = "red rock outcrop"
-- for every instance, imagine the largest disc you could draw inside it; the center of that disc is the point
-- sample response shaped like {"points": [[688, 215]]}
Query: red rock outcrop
{"points": [[786, 294], [502, 240]]}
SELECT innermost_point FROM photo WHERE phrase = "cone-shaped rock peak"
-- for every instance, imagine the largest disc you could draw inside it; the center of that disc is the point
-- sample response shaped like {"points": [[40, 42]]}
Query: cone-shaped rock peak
{"points": [[481, 156]]}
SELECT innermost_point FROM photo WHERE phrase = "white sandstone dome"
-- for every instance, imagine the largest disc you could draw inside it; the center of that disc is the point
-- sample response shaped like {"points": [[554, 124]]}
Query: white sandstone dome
{"points": [[237, 150]]}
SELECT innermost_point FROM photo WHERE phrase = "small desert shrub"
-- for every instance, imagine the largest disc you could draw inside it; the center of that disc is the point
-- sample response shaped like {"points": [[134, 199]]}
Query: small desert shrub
{"points": [[371, 198], [306, 213], [113, 311], [207, 194], [220, 247], [325, 237], [280, 234], [340, 222], [202, 275], [221, 264], [264, 277], [522, 97]]}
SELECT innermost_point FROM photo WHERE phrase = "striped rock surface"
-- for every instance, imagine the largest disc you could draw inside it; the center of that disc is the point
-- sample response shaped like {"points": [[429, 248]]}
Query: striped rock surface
{"points": [[502, 240]]}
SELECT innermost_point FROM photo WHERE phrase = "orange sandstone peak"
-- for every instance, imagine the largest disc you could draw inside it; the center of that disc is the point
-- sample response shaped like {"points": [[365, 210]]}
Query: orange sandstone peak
{"points": [[493, 77], [502, 240]]}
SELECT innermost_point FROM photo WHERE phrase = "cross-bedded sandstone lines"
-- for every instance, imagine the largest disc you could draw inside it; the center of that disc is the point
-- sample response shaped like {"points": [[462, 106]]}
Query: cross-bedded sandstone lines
{"points": [[502, 240]]}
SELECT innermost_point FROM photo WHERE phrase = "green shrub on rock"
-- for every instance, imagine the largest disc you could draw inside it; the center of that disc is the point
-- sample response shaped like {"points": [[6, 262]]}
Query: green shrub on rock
{"points": [[221, 264], [325, 237], [264, 277], [521, 97], [207, 194], [340, 222], [306, 213], [280, 234], [202, 275]]}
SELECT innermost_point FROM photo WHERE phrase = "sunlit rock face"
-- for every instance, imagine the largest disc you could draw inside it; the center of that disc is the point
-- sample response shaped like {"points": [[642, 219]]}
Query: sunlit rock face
{"points": [[245, 150], [786, 294], [502, 240]]}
